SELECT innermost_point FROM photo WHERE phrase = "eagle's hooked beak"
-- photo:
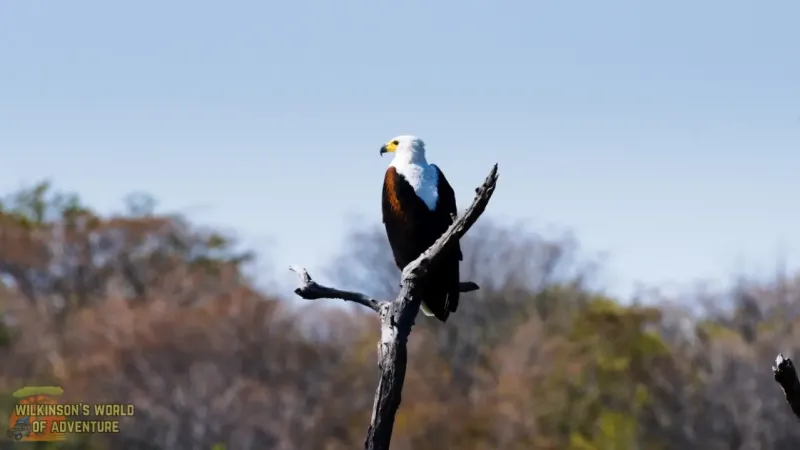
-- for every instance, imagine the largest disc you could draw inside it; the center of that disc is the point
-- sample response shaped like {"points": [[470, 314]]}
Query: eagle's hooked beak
{"points": [[383, 149]]}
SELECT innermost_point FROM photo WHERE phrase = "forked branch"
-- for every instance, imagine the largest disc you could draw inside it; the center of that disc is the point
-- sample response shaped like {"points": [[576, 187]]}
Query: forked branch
{"points": [[397, 318], [311, 290]]}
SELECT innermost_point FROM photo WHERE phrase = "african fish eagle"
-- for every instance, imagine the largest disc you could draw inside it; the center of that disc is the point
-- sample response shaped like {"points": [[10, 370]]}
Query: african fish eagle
{"points": [[418, 207]]}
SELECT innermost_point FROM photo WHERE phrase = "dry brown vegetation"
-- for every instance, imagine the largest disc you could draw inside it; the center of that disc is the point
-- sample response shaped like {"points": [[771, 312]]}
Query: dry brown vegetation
{"points": [[153, 310]]}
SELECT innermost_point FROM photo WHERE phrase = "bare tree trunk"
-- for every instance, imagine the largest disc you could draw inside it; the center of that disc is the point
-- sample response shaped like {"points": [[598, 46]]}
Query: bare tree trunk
{"points": [[397, 318]]}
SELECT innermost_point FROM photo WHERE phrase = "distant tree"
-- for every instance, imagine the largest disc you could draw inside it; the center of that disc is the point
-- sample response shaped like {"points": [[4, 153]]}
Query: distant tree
{"points": [[148, 308]]}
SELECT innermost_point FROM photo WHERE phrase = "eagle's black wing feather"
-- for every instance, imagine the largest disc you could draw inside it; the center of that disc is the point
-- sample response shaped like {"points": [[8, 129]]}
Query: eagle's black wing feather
{"points": [[412, 228]]}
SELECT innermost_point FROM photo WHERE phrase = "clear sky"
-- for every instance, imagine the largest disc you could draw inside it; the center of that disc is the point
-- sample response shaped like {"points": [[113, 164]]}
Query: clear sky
{"points": [[665, 133]]}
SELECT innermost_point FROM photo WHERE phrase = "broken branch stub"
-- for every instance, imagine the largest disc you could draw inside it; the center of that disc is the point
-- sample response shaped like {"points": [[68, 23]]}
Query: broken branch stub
{"points": [[786, 376]]}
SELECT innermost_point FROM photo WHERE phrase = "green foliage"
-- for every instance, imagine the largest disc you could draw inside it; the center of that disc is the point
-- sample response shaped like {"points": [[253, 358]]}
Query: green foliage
{"points": [[33, 207], [606, 398], [517, 367]]}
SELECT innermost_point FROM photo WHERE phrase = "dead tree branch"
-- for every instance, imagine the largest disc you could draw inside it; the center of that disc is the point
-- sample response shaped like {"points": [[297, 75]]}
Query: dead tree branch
{"points": [[397, 318], [786, 376], [311, 290]]}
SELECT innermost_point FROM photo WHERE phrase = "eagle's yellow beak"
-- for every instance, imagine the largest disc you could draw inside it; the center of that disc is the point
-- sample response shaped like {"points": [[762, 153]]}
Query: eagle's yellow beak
{"points": [[388, 148]]}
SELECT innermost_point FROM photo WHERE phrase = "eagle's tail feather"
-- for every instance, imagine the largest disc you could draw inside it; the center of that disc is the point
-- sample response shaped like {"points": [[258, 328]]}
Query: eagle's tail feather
{"points": [[441, 294], [442, 299]]}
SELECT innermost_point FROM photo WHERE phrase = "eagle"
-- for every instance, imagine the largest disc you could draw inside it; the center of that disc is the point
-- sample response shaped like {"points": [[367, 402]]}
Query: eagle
{"points": [[418, 207]]}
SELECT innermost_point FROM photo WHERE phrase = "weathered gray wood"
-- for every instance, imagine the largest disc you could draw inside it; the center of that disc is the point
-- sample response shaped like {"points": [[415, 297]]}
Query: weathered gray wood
{"points": [[397, 318]]}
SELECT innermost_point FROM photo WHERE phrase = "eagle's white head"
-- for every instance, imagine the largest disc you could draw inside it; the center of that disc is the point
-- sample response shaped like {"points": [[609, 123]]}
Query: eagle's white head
{"points": [[406, 149]]}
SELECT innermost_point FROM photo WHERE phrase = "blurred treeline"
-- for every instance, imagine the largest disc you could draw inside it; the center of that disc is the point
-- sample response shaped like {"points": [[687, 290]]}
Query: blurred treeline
{"points": [[154, 310]]}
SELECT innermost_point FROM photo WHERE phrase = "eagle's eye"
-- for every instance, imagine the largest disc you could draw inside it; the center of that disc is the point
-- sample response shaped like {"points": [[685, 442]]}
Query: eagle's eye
{"points": [[395, 142]]}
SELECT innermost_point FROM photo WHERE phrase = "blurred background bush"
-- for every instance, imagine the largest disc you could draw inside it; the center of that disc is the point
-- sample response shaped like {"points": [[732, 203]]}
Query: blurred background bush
{"points": [[151, 309]]}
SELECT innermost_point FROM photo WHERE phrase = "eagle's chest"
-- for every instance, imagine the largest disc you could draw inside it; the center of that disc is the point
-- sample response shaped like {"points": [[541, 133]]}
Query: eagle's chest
{"points": [[423, 181]]}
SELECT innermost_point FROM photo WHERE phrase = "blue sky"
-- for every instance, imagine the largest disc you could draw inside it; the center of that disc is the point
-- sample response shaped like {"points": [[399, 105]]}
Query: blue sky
{"points": [[664, 133]]}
